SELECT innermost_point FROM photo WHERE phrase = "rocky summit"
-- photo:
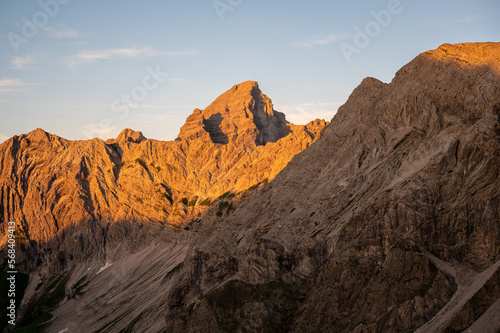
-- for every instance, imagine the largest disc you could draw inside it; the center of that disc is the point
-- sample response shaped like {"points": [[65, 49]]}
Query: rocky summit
{"points": [[243, 115], [387, 219]]}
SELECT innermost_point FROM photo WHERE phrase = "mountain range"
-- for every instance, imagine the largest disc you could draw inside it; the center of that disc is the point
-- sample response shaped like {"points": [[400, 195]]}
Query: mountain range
{"points": [[386, 219]]}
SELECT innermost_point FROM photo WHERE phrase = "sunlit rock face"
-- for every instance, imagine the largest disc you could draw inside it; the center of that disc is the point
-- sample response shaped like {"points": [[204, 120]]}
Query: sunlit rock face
{"points": [[48, 183], [243, 115]]}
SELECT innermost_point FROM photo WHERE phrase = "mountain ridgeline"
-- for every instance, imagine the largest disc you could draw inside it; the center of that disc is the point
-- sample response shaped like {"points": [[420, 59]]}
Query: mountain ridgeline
{"points": [[48, 183], [387, 219]]}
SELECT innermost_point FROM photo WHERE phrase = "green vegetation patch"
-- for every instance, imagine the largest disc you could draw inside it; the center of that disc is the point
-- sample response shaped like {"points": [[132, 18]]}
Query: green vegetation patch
{"points": [[316, 233], [39, 309], [174, 270], [21, 284], [363, 156], [206, 202], [227, 195], [80, 285], [225, 207]]}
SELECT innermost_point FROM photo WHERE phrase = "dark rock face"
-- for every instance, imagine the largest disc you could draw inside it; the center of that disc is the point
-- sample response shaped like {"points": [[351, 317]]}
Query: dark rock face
{"points": [[402, 293]]}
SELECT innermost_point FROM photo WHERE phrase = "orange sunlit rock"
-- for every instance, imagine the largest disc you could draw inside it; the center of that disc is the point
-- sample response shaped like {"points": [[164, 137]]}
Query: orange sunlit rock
{"points": [[48, 183]]}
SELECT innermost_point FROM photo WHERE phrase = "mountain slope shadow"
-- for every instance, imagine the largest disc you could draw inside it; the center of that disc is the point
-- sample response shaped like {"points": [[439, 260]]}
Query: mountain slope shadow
{"points": [[212, 126]]}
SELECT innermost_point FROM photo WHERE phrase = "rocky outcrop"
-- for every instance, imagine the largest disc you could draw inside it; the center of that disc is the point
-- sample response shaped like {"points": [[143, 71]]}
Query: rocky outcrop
{"points": [[243, 115], [127, 135]]}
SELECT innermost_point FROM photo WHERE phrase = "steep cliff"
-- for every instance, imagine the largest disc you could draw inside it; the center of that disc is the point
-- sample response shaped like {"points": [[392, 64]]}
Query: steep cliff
{"points": [[375, 227], [243, 115]]}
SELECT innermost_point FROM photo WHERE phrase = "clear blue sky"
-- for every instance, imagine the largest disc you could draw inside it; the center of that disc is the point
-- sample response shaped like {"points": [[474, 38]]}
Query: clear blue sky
{"points": [[69, 65]]}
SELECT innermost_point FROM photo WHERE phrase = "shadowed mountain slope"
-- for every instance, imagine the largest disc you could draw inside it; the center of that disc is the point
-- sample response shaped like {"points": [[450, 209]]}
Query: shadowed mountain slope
{"points": [[375, 227]]}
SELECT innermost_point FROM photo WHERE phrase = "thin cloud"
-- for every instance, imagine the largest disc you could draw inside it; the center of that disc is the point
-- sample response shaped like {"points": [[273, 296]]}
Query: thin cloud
{"points": [[305, 112], [3, 138], [99, 131], [320, 41], [62, 33], [23, 62], [471, 18], [9, 85], [154, 107], [156, 117], [320, 104], [162, 107], [90, 56]]}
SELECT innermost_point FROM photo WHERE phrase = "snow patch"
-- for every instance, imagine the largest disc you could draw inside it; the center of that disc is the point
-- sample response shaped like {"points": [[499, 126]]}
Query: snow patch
{"points": [[103, 268]]}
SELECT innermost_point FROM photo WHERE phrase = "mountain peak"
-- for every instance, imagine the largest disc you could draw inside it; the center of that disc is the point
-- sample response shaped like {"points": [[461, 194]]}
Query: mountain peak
{"points": [[249, 83], [243, 115], [128, 135], [38, 134], [468, 54]]}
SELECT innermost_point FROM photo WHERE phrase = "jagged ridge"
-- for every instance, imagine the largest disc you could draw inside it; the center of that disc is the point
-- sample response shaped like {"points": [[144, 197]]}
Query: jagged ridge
{"points": [[48, 183]]}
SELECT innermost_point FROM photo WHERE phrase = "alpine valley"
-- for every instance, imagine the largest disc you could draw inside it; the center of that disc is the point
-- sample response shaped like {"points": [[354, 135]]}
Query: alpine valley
{"points": [[386, 219]]}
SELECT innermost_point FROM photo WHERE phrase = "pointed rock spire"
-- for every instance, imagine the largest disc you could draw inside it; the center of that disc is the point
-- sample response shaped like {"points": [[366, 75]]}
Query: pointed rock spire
{"points": [[243, 115], [128, 135]]}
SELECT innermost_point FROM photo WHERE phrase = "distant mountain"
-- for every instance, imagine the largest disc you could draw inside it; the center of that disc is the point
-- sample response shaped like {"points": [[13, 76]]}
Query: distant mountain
{"points": [[389, 221]]}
